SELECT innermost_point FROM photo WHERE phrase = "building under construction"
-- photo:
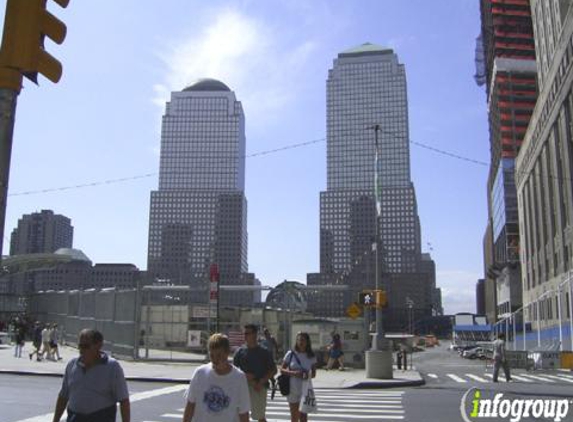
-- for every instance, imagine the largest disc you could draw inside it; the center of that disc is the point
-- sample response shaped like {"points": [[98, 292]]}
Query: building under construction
{"points": [[505, 64]]}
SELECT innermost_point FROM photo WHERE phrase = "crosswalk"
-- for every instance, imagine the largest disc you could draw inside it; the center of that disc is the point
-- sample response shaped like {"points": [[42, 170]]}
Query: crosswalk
{"points": [[467, 378], [333, 406]]}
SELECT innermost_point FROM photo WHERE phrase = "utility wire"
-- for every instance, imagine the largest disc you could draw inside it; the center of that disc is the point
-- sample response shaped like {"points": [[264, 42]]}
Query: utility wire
{"points": [[256, 154]]}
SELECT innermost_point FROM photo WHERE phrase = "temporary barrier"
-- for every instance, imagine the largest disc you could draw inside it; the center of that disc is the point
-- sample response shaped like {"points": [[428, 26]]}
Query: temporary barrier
{"points": [[517, 359], [567, 360], [545, 360]]}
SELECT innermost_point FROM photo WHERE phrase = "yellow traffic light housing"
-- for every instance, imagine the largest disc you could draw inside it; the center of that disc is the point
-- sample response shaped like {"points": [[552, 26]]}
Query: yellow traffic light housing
{"points": [[381, 299], [26, 24]]}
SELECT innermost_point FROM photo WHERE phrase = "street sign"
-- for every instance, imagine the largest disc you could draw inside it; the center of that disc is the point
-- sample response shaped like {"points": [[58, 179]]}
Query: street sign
{"points": [[353, 311]]}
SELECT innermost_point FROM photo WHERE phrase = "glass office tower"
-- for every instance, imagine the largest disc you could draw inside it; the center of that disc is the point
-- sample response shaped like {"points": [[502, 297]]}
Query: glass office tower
{"points": [[366, 86], [198, 216]]}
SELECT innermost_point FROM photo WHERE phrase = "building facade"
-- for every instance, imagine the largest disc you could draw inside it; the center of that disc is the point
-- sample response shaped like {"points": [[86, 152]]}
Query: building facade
{"points": [[509, 73], [544, 174], [366, 87], [41, 232], [198, 216]]}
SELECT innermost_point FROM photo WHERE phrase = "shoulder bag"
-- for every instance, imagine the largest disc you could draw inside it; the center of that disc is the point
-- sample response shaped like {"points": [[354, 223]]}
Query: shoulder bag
{"points": [[283, 380]]}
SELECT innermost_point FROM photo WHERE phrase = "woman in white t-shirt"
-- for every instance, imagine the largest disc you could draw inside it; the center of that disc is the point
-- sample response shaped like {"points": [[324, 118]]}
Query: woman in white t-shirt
{"points": [[299, 364]]}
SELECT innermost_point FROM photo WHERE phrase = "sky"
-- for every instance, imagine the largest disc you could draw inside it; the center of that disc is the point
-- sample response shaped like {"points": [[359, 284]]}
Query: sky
{"points": [[100, 125]]}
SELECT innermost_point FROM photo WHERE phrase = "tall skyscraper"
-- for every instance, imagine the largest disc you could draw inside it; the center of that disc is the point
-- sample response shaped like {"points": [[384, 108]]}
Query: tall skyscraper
{"points": [[198, 215], [366, 87], [507, 67], [41, 232]]}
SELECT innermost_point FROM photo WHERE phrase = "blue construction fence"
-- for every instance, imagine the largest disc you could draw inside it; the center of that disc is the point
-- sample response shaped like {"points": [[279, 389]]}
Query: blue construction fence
{"points": [[546, 339]]}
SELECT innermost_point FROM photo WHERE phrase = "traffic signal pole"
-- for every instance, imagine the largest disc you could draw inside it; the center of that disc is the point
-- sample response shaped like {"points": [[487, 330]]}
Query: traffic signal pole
{"points": [[379, 357], [22, 53], [8, 98]]}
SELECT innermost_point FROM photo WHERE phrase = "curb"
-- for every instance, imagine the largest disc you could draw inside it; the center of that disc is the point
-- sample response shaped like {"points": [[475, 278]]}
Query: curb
{"points": [[391, 384], [38, 374], [167, 380]]}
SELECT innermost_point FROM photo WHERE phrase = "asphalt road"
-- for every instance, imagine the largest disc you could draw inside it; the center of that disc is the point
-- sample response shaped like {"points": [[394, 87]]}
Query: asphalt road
{"points": [[448, 378]]}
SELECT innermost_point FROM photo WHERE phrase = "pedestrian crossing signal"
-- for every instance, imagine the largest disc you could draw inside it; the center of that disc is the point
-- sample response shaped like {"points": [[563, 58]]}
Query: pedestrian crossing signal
{"points": [[367, 299], [373, 299]]}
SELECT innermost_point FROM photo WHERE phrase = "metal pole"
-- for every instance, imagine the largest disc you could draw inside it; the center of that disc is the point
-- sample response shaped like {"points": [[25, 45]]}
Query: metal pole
{"points": [[208, 308], [507, 327], [570, 312], [514, 320], [218, 303], [560, 319], [147, 324], [379, 343], [524, 329], [538, 325], [8, 100]]}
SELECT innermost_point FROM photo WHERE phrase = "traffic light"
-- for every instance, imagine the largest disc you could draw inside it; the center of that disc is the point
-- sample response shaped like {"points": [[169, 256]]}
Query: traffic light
{"points": [[367, 298], [26, 24], [373, 298], [381, 299]]}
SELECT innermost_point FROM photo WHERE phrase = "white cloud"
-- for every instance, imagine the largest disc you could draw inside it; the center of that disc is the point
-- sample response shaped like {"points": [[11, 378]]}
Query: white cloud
{"points": [[458, 290], [244, 53]]}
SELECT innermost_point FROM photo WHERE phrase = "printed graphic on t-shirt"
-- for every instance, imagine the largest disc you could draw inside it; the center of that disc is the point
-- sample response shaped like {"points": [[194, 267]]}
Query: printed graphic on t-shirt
{"points": [[215, 399]]}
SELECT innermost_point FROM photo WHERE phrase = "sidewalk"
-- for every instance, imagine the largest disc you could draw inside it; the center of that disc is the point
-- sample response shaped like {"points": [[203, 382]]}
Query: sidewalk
{"points": [[180, 372]]}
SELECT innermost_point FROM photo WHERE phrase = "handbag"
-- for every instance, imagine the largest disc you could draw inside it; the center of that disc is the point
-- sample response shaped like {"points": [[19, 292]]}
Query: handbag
{"points": [[283, 380], [308, 401]]}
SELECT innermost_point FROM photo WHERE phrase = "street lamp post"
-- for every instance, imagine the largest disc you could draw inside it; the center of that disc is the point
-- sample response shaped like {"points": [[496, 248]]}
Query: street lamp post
{"points": [[379, 357], [378, 342]]}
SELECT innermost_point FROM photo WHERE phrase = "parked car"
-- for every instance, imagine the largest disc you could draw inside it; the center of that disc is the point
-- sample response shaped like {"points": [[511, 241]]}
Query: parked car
{"points": [[475, 353]]}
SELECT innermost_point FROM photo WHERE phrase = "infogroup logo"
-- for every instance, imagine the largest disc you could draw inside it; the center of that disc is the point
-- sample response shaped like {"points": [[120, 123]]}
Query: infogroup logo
{"points": [[474, 407]]}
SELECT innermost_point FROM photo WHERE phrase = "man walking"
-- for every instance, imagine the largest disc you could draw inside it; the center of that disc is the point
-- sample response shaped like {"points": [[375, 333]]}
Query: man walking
{"points": [[37, 341], [270, 343], [499, 358], [93, 384], [259, 366]]}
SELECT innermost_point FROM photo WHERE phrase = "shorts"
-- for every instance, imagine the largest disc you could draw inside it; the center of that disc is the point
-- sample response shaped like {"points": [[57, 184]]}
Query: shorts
{"points": [[335, 353], [258, 402]]}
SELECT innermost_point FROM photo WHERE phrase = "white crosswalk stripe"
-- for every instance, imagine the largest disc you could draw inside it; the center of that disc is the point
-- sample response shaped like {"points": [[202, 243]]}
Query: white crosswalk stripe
{"points": [[476, 378], [456, 378], [538, 378], [335, 406], [559, 378], [488, 377]]}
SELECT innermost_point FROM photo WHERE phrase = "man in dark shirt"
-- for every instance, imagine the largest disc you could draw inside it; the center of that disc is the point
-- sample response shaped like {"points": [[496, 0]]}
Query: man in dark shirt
{"points": [[258, 365]]}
